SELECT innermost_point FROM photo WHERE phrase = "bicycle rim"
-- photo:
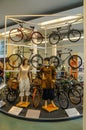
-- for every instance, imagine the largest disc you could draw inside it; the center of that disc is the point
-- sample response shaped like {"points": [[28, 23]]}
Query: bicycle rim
{"points": [[74, 96], [75, 61], [54, 38], [37, 38], [36, 61], [14, 60], [54, 61], [11, 97], [79, 88], [36, 101], [16, 35], [63, 100], [74, 35]]}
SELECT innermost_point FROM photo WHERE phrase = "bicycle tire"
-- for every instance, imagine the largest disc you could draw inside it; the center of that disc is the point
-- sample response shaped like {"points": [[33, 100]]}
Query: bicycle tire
{"points": [[16, 35], [14, 60], [74, 96], [75, 61], [37, 38], [79, 88], [74, 35], [36, 100], [11, 97], [36, 60], [55, 61], [63, 100], [54, 38]]}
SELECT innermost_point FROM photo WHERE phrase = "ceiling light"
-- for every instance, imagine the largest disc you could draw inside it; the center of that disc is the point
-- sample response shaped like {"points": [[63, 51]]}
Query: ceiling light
{"points": [[60, 20]]}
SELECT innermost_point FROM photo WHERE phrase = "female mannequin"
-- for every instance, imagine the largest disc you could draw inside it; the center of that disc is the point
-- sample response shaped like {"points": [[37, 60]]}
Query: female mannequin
{"points": [[24, 82]]}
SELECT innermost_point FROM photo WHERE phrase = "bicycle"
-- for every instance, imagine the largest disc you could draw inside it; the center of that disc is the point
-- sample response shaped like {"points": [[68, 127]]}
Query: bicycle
{"points": [[73, 35], [72, 92], [28, 34], [12, 90], [60, 95], [76, 84], [74, 61], [15, 60]]}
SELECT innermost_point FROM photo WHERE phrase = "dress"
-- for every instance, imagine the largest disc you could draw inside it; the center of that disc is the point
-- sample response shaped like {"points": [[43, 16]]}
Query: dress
{"points": [[24, 84], [48, 74]]}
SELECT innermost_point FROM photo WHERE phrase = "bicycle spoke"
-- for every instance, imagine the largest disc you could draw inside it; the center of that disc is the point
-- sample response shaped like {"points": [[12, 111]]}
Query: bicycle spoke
{"points": [[74, 35], [37, 38], [16, 35], [14, 60]]}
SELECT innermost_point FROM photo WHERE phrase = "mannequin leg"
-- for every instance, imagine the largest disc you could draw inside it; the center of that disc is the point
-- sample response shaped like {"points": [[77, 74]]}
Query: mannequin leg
{"points": [[26, 98], [52, 102], [21, 99], [45, 103]]}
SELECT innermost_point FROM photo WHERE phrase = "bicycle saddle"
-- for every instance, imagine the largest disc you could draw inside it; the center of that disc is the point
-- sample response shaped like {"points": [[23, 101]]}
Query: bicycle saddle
{"points": [[58, 28]]}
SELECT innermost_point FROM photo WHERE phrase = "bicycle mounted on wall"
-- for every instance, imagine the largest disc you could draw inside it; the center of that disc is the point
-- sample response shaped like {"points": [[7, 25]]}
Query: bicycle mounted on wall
{"points": [[15, 60], [73, 35], [72, 59], [27, 34]]}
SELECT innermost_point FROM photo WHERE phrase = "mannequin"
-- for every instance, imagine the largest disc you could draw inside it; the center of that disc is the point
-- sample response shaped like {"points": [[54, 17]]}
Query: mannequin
{"points": [[48, 76], [24, 82]]}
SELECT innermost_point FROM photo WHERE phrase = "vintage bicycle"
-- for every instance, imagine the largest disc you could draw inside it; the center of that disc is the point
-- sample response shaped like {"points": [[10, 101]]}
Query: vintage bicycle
{"points": [[73, 35], [27, 34], [74, 61], [15, 60], [60, 96], [71, 90]]}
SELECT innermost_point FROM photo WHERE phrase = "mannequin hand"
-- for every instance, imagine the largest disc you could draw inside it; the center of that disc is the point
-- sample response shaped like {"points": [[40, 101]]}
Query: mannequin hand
{"points": [[53, 81], [43, 78]]}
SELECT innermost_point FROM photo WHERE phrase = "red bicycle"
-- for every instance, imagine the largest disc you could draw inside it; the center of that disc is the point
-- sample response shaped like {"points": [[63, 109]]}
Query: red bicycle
{"points": [[26, 34]]}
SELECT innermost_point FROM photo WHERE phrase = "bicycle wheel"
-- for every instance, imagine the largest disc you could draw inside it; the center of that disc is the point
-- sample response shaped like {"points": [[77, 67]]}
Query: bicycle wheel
{"points": [[37, 38], [16, 35], [54, 60], [74, 35], [74, 96], [79, 88], [14, 60], [11, 97], [75, 61], [36, 100], [63, 100], [54, 38], [36, 61]]}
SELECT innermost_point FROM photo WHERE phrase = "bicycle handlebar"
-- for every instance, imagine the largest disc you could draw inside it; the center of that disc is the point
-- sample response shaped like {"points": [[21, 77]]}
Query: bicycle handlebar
{"points": [[60, 51], [68, 49]]}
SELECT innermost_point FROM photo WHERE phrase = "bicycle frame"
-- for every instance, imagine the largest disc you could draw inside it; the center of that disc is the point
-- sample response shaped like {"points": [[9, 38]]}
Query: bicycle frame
{"points": [[28, 30], [60, 54], [62, 35]]}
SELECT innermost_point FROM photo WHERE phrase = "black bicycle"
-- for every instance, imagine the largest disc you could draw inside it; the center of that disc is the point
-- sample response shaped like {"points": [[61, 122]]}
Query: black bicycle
{"points": [[74, 61], [60, 96], [73, 35], [12, 90], [15, 60], [73, 94]]}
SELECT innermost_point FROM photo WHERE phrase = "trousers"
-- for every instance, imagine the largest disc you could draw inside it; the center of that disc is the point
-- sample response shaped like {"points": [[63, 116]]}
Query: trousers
{"points": [[24, 87]]}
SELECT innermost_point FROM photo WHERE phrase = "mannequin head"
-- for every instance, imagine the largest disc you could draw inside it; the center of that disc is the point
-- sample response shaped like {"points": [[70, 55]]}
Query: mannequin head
{"points": [[25, 61], [46, 61]]}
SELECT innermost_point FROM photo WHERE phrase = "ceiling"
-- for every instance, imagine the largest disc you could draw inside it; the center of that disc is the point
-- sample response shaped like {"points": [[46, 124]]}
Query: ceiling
{"points": [[26, 7]]}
